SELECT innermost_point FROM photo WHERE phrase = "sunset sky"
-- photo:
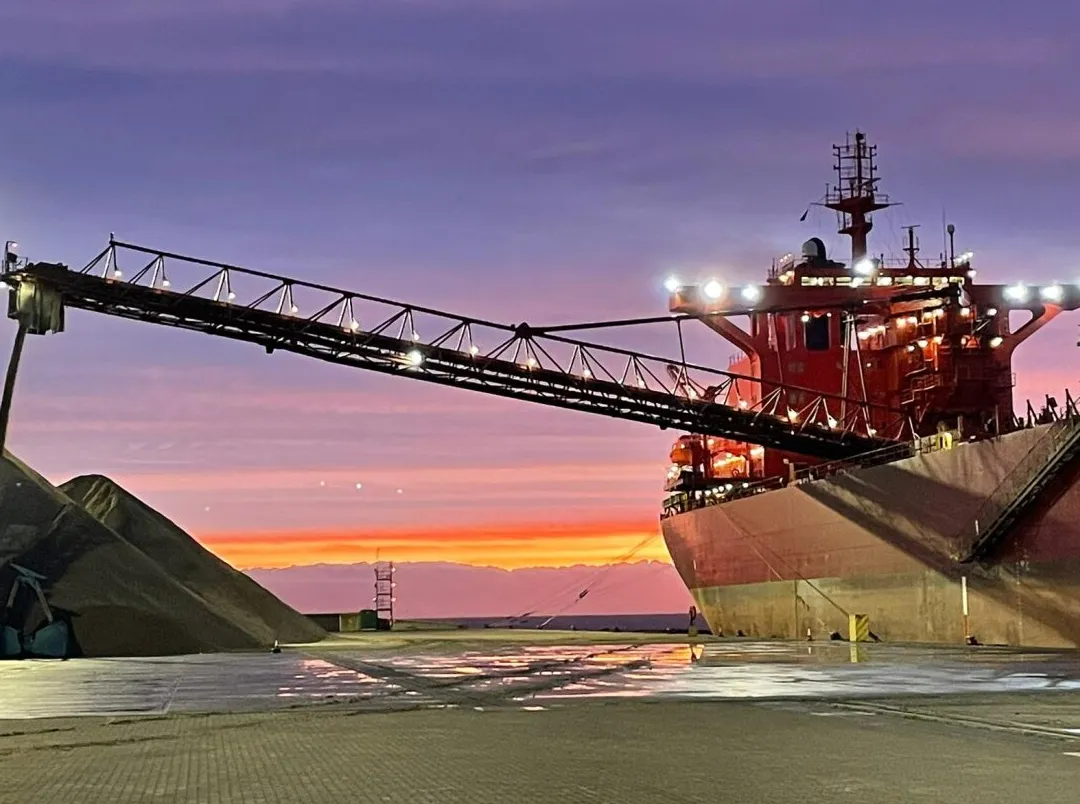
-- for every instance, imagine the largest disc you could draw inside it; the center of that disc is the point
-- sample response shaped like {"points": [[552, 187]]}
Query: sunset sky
{"points": [[539, 160]]}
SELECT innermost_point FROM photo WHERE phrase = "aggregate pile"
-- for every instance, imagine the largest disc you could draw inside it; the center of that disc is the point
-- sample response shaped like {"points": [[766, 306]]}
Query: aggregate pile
{"points": [[148, 590]]}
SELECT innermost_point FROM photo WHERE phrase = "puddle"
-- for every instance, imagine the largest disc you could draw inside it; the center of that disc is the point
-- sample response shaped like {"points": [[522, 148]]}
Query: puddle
{"points": [[525, 677]]}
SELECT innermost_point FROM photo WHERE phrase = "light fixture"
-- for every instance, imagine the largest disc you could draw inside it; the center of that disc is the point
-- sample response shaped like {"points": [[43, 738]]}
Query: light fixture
{"points": [[996, 341], [793, 415], [474, 349], [713, 289], [414, 357], [294, 309], [671, 284], [991, 311], [1017, 292], [923, 343], [751, 293], [911, 347], [354, 325], [939, 338], [805, 317], [1053, 292], [865, 266], [965, 311], [232, 296], [165, 283]]}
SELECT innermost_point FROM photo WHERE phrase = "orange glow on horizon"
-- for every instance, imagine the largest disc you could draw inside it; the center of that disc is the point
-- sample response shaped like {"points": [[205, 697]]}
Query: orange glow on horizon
{"points": [[503, 546]]}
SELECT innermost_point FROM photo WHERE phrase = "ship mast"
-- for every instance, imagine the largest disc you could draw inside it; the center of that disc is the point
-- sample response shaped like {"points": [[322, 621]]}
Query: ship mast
{"points": [[854, 196]]}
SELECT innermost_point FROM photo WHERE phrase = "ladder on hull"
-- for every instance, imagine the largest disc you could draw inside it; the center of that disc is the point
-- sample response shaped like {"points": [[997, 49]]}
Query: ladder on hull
{"points": [[1049, 457]]}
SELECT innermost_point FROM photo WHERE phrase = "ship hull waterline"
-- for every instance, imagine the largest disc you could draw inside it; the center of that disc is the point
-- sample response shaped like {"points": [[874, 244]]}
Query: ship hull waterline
{"points": [[796, 561]]}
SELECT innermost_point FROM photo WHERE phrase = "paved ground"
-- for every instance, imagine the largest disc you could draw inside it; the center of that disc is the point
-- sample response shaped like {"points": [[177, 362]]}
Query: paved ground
{"points": [[483, 721]]}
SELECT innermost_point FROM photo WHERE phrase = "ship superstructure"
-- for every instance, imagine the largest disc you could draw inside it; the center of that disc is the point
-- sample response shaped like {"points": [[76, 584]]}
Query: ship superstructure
{"points": [[969, 525], [910, 338]]}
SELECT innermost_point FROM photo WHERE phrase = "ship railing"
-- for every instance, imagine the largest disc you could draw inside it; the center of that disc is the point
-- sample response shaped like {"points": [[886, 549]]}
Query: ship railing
{"points": [[680, 502], [981, 528]]}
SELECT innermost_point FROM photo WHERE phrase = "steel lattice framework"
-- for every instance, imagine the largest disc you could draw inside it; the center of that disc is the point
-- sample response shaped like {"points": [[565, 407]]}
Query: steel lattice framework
{"points": [[521, 362]]}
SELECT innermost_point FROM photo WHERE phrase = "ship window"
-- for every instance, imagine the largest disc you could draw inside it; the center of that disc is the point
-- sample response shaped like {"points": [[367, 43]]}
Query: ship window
{"points": [[922, 280], [816, 333], [884, 280], [940, 281], [904, 280]]}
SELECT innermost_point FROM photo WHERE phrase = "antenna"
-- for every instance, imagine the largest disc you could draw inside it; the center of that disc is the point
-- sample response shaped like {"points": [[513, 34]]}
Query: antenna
{"points": [[855, 195], [952, 247], [912, 248]]}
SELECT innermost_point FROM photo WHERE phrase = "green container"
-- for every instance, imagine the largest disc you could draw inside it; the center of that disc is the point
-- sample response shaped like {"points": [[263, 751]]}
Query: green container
{"points": [[369, 620], [348, 623]]}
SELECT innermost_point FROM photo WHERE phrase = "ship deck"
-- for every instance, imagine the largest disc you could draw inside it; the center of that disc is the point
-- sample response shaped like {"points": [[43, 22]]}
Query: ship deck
{"points": [[560, 718]]}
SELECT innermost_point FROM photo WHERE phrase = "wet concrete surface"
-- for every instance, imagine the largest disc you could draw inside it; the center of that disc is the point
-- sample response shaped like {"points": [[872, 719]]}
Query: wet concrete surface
{"points": [[488, 675], [485, 721]]}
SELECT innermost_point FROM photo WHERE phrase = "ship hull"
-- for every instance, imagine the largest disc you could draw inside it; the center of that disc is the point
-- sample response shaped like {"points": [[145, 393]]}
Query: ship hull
{"points": [[880, 541]]}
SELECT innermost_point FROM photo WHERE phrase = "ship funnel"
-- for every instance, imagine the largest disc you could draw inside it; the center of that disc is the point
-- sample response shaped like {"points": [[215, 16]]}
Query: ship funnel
{"points": [[813, 250]]}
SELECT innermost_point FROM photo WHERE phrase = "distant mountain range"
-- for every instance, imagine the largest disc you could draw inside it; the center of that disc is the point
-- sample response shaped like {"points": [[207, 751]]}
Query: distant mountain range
{"points": [[439, 589]]}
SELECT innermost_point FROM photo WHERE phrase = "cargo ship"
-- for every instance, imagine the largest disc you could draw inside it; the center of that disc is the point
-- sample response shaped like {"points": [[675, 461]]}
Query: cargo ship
{"points": [[966, 529]]}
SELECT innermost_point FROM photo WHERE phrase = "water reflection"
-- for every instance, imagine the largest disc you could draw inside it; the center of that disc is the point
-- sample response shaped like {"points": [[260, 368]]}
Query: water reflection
{"points": [[496, 676]]}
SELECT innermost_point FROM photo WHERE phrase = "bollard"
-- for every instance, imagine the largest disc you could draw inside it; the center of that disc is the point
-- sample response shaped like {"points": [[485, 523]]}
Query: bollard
{"points": [[858, 627]]}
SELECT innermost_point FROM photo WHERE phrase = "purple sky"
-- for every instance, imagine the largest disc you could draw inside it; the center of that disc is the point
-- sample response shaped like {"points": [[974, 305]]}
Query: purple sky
{"points": [[512, 159]]}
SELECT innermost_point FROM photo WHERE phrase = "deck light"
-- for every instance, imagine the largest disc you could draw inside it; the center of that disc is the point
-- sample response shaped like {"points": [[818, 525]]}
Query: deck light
{"points": [[751, 293], [1017, 292], [671, 284], [923, 343], [865, 267], [414, 357], [713, 289], [996, 341], [805, 317], [1053, 292]]}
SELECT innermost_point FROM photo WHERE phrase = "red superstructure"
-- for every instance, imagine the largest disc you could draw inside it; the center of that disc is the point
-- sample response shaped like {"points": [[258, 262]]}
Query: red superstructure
{"points": [[889, 336]]}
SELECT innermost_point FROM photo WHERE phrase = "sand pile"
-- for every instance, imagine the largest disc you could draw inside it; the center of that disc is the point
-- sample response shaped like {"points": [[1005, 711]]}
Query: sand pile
{"points": [[119, 598], [223, 588]]}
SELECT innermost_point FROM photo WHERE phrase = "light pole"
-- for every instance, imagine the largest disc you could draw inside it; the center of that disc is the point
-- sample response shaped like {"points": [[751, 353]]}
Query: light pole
{"points": [[11, 257]]}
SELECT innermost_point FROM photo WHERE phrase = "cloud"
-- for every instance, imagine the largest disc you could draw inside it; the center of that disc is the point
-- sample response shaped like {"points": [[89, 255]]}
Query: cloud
{"points": [[492, 41], [506, 546]]}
